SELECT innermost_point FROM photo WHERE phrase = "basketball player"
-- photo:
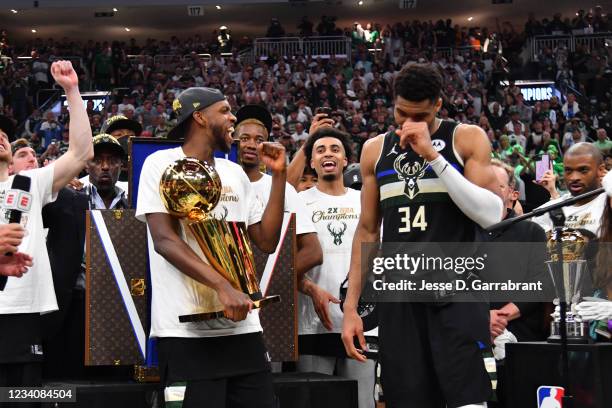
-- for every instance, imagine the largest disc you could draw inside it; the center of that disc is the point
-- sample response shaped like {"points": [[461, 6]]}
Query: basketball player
{"points": [[299, 175], [224, 362], [583, 169], [429, 181], [334, 210], [253, 124]]}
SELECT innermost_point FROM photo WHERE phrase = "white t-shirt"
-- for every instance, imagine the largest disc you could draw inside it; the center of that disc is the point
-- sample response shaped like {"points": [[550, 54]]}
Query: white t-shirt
{"points": [[303, 223], [568, 140], [335, 218], [587, 216], [173, 292], [299, 136], [33, 292]]}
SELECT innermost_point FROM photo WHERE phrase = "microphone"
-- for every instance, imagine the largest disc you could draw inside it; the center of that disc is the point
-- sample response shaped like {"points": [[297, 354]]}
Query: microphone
{"points": [[18, 200]]}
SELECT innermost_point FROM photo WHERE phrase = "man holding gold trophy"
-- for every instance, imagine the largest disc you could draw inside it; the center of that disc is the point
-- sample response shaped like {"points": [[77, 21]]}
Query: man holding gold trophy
{"points": [[201, 215]]}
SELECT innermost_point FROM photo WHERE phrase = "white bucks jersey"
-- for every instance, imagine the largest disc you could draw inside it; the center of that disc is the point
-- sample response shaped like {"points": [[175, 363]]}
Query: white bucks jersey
{"points": [[335, 219]]}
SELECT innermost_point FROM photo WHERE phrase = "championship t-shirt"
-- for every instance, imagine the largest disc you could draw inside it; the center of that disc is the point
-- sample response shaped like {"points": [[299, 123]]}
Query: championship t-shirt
{"points": [[33, 292], [303, 223], [335, 219], [587, 216], [173, 292]]}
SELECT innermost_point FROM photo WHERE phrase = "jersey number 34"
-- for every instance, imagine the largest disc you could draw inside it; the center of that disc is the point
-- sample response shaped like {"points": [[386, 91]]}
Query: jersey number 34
{"points": [[409, 222]]}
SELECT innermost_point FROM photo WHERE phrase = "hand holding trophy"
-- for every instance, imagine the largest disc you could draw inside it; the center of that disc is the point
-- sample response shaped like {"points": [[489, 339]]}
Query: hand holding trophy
{"points": [[191, 189]]}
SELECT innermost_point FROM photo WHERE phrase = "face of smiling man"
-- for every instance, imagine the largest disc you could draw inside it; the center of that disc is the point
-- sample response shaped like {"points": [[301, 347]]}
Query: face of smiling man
{"points": [[328, 158]]}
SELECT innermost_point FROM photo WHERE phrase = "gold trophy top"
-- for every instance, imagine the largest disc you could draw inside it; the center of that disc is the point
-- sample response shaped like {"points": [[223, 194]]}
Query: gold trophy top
{"points": [[573, 244], [190, 188]]}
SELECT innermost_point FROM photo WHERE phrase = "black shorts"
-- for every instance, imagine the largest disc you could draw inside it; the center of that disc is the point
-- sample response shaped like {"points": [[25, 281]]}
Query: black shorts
{"points": [[244, 391], [21, 353], [20, 338], [17, 375], [229, 371], [432, 356]]}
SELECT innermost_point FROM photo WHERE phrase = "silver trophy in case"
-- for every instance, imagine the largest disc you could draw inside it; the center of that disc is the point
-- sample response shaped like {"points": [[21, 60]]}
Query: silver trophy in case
{"points": [[568, 278]]}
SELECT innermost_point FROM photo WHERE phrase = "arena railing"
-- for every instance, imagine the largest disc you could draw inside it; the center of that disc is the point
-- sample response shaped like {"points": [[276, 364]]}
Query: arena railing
{"points": [[448, 52], [168, 62], [199, 57], [569, 42], [140, 58], [246, 56], [321, 47], [593, 41], [50, 96]]}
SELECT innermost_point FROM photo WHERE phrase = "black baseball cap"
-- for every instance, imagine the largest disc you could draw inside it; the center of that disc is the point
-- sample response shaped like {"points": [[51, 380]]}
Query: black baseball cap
{"points": [[8, 127], [104, 139], [191, 100], [257, 113], [120, 122]]}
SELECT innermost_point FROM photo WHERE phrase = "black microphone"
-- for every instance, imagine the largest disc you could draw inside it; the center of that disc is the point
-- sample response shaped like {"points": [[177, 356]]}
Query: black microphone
{"points": [[18, 199]]}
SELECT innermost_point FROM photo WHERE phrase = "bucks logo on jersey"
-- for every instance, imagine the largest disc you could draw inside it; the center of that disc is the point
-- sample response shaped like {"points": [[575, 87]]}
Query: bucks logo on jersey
{"points": [[337, 231], [410, 172]]}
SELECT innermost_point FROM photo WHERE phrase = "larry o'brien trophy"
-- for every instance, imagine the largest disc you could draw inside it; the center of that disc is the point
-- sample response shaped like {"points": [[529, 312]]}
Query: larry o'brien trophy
{"points": [[567, 281], [191, 189]]}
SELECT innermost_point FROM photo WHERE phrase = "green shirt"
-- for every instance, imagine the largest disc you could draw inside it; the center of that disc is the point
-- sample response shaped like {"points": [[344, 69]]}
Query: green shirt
{"points": [[604, 146]]}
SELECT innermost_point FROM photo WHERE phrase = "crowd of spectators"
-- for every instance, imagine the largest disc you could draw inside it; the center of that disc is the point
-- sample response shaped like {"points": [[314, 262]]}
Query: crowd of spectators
{"points": [[356, 91], [584, 22]]}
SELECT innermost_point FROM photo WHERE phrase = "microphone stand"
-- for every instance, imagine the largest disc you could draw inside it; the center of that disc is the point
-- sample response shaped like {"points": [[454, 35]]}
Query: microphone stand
{"points": [[540, 211], [559, 221], [556, 214]]}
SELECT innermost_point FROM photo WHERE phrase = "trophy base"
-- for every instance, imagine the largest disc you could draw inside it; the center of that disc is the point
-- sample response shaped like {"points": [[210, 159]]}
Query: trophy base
{"points": [[200, 317], [577, 332]]}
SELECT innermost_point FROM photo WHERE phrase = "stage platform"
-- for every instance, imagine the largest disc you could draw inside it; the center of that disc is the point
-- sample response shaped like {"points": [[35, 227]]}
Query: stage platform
{"points": [[293, 390], [531, 365]]}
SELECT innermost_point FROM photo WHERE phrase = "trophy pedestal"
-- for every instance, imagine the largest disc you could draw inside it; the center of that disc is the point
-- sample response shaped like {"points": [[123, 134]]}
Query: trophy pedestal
{"points": [[200, 317], [577, 332]]}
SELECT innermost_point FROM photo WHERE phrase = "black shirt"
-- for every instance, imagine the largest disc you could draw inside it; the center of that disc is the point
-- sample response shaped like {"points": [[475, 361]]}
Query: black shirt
{"points": [[526, 267]]}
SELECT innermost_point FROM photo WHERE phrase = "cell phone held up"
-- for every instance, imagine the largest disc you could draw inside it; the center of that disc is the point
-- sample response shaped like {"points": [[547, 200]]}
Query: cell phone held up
{"points": [[542, 166], [325, 110]]}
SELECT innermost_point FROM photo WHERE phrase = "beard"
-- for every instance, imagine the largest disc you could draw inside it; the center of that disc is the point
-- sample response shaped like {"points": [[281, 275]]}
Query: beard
{"points": [[330, 177], [219, 137]]}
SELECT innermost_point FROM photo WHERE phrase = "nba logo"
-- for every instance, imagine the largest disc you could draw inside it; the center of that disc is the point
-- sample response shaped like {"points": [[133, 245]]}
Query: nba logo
{"points": [[550, 396]]}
